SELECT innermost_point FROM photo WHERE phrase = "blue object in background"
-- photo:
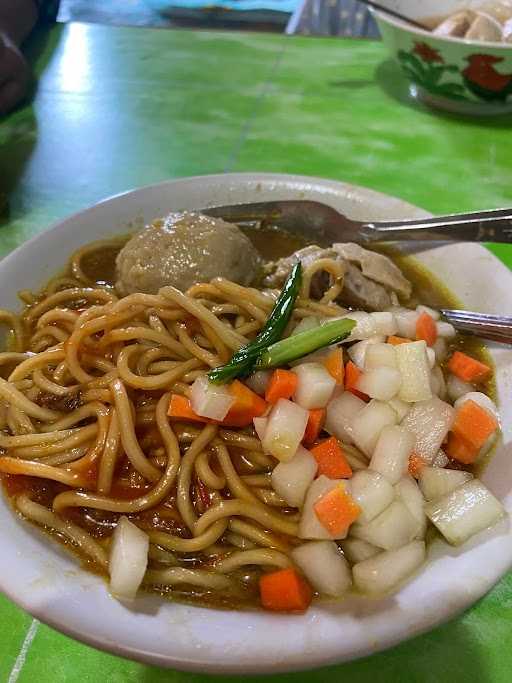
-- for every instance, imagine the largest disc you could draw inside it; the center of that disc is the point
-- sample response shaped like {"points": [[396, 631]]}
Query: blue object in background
{"points": [[309, 17], [243, 11]]}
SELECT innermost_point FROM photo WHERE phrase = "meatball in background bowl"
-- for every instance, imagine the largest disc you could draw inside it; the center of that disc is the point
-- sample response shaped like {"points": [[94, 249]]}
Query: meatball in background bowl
{"points": [[472, 77]]}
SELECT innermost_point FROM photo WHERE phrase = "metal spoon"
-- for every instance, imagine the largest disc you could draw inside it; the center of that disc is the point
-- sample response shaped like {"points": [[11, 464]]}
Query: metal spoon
{"points": [[497, 328], [326, 225]]}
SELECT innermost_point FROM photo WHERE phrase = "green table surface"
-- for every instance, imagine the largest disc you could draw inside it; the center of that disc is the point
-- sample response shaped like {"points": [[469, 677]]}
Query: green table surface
{"points": [[117, 108]]}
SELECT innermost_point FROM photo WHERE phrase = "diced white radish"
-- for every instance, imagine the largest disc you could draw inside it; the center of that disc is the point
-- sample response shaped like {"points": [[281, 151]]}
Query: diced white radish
{"points": [[314, 387], [357, 352], [372, 492], [365, 326], [380, 383], [309, 526], [464, 512], [380, 355], [210, 400], [441, 349], [430, 422], [437, 382], [258, 381], [341, 412], [491, 440], [391, 455], [324, 566], [434, 383], [285, 429], [441, 459], [406, 322], [292, 479], [408, 492], [369, 422], [390, 530], [128, 559], [356, 550], [355, 458], [431, 357], [401, 408], [385, 323], [445, 330], [457, 387], [435, 315], [260, 426], [480, 399], [436, 482], [315, 357], [415, 370], [306, 324], [385, 571]]}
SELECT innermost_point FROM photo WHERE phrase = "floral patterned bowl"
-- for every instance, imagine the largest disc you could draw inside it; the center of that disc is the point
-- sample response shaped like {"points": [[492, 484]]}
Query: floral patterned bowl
{"points": [[454, 74]]}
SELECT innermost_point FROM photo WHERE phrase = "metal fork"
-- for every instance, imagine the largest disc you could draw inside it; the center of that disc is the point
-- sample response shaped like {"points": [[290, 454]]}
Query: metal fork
{"points": [[325, 225], [497, 328]]}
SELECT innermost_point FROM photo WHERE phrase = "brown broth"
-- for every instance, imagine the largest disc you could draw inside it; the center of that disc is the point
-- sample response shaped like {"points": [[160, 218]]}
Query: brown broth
{"points": [[100, 264]]}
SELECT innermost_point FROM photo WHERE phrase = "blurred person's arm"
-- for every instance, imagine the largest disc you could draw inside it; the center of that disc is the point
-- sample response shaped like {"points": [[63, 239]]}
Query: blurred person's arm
{"points": [[17, 19]]}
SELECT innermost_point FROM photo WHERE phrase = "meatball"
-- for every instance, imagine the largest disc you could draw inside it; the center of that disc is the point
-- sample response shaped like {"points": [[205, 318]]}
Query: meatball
{"points": [[182, 250]]}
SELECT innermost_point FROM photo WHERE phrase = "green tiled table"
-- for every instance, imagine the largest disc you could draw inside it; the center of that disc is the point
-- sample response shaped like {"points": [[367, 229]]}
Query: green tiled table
{"points": [[117, 108]]}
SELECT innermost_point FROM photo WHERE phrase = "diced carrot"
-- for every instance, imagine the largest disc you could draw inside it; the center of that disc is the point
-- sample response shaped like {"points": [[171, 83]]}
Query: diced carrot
{"points": [[336, 510], [316, 421], [247, 406], [352, 374], [426, 329], [285, 591], [334, 365], [282, 384], [395, 341], [473, 424], [331, 459], [180, 407], [416, 464], [461, 450], [468, 369]]}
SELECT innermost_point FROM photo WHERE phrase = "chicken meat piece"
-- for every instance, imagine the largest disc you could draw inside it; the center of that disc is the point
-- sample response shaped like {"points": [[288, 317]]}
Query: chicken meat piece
{"points": [[182, 250], [376, 267], [371, 281], [276, 272], [361, 292], [456, 25]]}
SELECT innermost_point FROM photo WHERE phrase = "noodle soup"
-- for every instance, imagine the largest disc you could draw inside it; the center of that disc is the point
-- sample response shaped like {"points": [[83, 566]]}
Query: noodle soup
{"points": [[104, 444]]}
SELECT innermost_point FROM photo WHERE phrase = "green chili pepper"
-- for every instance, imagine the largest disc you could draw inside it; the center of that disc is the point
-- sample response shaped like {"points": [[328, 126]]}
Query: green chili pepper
{"points": [[243, 360]]}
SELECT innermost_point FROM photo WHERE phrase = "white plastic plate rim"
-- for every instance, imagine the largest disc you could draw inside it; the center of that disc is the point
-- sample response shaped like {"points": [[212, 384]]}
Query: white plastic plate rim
{"points": [[47, 582]]}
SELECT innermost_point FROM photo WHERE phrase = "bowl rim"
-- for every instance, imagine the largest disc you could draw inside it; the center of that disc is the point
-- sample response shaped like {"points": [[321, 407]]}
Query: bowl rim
{"points": [[409, 28]]}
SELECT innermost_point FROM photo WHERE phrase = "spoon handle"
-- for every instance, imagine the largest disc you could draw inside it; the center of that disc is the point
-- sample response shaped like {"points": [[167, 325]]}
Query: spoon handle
{"points": [[496, 328], [479, 226], [394, 13]]}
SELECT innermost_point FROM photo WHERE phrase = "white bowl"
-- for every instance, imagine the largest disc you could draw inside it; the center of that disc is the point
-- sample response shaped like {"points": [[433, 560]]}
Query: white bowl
{"points": [[47, 582], [449, 73]]}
